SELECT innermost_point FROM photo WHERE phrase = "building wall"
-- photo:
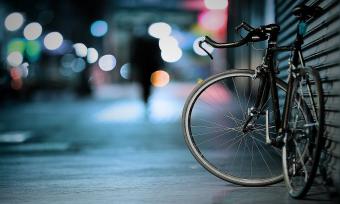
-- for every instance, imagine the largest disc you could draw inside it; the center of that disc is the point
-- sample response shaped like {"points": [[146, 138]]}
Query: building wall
{"points": [[322, 51], [251, 12]]}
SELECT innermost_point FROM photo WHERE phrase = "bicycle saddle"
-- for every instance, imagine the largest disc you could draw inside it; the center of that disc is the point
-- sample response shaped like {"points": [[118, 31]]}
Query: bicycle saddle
{"points": [[307, 12]]}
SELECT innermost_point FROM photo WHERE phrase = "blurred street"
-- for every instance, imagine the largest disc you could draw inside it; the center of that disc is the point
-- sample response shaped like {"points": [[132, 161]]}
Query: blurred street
{"points": [[92, 92], [96, 151]]}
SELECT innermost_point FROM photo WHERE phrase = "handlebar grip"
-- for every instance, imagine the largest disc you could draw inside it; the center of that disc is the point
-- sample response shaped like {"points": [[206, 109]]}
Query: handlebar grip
{"points": [[209, 40], [225, 45]]}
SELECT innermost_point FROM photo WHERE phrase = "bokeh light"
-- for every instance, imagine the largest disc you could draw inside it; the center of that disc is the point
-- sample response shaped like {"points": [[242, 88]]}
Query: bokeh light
{"points": [[53, 40], [14, 21], [14, 59], [125, 71], [160, 78], [92, 55], [212, 20], [216, 4], [16, 44], [172, 55], [15, 73], [168, 42], [78, 65], [32, 31], [159, 30], [107, 62], [33, 50], [80, 49], [198, 50], [99, 28], [24, 69], [171, 52]]}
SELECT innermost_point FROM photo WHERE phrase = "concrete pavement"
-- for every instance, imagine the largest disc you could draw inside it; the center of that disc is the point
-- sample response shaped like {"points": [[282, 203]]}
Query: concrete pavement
{"points": [[105, 150]]}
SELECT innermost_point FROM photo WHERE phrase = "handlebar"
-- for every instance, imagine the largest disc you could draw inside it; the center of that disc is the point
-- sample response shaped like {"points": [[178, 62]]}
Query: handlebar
{"points": [[225, 45], [261, 33], [219, 45]]}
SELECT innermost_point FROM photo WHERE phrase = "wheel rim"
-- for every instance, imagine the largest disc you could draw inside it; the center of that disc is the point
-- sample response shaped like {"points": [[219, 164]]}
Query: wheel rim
{"points": [[238, 157], [305, 123]]}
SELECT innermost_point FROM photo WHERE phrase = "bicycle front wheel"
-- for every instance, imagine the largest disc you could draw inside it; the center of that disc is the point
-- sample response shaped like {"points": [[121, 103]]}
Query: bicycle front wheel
{"points": [[303, 140], [213, 117]]}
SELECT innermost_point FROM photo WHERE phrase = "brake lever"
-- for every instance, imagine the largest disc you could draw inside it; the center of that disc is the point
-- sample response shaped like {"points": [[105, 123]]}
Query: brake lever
{"points": [[200, 45], [239, 33], [245, 26]]}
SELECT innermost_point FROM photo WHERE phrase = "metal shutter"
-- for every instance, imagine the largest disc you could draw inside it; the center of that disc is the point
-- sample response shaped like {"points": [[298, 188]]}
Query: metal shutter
{"points": [[322, 51]]}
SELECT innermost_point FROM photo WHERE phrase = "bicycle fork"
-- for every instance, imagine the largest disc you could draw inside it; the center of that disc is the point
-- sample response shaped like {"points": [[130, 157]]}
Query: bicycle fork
{"points": [[257, 110]]}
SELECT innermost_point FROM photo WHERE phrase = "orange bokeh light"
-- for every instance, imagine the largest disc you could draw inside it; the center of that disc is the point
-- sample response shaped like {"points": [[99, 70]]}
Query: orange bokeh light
{"points": [[160, 78]]}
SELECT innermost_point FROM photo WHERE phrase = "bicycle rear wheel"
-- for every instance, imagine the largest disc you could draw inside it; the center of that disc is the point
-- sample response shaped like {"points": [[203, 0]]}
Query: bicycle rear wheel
{"points": [[303, 141], [213, 117]]}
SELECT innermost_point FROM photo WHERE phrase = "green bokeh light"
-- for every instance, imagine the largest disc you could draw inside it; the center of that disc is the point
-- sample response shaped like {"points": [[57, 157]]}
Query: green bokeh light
{"points": [[16, 45], [33, 50]]}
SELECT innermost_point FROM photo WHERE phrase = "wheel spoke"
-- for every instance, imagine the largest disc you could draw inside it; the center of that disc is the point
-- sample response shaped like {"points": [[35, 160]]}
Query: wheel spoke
{"points": [[302, 150], [238, 98], [215, 135]]}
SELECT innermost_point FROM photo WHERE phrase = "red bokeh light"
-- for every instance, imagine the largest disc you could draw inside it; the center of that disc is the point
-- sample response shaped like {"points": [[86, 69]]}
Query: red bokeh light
{"points": [[15, 73], [213, 20]]}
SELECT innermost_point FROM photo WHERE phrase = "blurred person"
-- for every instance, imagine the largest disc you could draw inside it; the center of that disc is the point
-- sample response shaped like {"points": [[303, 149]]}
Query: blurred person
{"points": [[84, 87], [145, 59], [5, 81]]}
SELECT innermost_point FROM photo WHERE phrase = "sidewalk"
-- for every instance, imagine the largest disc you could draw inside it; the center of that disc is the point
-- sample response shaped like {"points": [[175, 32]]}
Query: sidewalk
{"points": [[105, 151]]}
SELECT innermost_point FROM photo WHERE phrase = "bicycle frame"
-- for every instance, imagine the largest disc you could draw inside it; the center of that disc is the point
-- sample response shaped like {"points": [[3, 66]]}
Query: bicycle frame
{"points": [[268, 81], [227, 136]]}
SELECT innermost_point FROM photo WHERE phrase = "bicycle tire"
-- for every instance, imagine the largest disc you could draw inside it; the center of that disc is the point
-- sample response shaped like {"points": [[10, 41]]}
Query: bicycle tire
{"points": [[201, 155], [301, 153]]}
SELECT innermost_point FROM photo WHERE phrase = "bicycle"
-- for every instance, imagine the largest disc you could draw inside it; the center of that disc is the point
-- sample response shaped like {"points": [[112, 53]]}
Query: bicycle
{"points": [[232, 121]]}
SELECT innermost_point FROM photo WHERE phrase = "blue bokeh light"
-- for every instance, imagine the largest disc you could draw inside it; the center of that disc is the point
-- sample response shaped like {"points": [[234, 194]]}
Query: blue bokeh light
{"points": [[99, 28]]}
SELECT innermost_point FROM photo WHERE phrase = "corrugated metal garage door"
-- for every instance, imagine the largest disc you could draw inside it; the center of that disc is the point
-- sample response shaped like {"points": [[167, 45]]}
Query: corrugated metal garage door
{"points": [[322, 51]]}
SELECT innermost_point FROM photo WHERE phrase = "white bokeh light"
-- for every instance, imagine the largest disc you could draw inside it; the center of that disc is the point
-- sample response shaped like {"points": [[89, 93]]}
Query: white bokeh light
{"points": [[24, 69], [14, 59], [198, 50], [216, 4], [32, 31], [92, 55], [171, 55], [107, 62], [80, 49], [159, 30], [168, 42], [171, 52], [14, 21], [53, 40]]}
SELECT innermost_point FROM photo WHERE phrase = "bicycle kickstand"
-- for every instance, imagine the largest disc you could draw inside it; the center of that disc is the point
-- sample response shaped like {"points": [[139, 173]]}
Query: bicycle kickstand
{"points": [[268, 139]]}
